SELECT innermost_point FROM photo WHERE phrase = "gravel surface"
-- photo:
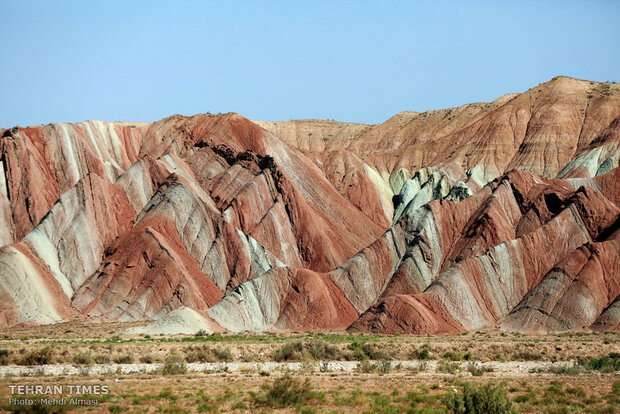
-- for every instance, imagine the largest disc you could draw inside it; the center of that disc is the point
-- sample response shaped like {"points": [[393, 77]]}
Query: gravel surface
{"points": [[328, 366]]}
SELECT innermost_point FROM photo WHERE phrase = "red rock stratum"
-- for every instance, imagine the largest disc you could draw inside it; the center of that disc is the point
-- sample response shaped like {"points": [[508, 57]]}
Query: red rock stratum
{"points": [[501, 215]]}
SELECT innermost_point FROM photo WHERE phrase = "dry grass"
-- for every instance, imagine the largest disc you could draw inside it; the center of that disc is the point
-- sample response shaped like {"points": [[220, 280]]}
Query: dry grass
{"points": [[379, 385], [351, 392], [69, 342]]}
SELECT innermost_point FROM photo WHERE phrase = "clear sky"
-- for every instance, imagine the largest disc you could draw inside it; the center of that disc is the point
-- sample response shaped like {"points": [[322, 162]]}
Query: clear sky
{"points": [[358, 61]]}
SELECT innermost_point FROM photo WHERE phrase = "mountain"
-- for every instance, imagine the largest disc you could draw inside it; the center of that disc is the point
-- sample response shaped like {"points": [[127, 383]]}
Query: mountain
{"points": [[500, 215]]}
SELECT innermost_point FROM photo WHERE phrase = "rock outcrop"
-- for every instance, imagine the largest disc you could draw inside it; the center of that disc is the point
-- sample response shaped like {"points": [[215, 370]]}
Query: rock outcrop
{"points": [[181, 321], [500, 215]]}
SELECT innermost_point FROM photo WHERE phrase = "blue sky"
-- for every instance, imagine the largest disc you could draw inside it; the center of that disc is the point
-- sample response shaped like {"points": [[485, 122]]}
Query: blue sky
{"points": [[358, 61]]}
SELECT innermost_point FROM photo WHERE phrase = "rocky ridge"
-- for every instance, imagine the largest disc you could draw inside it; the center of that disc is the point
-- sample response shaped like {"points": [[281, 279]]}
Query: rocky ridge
{"points": [[500, 215]]}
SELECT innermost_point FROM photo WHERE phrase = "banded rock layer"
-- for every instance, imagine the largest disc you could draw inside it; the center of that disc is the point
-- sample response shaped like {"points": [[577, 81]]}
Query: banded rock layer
{"points": [[488, 215]]}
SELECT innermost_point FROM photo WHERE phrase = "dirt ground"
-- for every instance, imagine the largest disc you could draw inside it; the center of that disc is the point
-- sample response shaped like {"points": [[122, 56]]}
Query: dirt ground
{"points": [[335, 392], [383, 388], [108, 340]]}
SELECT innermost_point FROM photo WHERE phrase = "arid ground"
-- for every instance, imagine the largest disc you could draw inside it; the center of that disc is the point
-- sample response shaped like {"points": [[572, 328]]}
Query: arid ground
{"points": [[577, 372]]}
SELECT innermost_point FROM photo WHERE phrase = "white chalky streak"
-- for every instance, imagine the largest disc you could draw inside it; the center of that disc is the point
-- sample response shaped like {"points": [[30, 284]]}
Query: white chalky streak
{"points": [[24, 283]]}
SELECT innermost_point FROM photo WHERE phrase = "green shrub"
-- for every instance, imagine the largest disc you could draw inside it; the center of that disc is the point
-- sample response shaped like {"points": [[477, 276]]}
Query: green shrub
{"points": [[382, 404], [223, 354], [290, 352], [453, 356], [524, 398], [207, 408], [322, 351], [42, 356], [174, 365], [384, 366], [448, 367], [82, 358], [422, 353], [5, 356], [324, 367], [205, 354], [366, 367], [166, 394], [478, 370], [608, 363], [239, 405], [173, 409], [199, 355], [371, 351], [285, 392], [562, 370], [578, 392], [475, 400], [101, 359], [298, 351], [357, 355], [556, 388]]}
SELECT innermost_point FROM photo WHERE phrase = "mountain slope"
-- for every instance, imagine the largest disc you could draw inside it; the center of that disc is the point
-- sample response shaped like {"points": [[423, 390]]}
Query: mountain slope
{"points": [[503, 214]]}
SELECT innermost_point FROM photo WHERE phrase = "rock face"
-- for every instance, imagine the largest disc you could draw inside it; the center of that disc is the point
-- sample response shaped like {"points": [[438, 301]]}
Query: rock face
{"points": [[488, 215], [183, 320], [533, 254]]}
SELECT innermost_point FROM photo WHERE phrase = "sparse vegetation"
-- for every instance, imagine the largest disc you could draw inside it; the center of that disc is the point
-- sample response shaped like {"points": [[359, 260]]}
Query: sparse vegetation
{"points": [[376, 394], [83, 358], [363, 351], [526, 355], [484, 399], [374, 391], [223, 354], [423, 353], [101, 359], [334, 346], [608, 363], [448, 367], [384, 366], [290, 352], [323, 351], [453, 356], [477, 370], [194, 354], [174, 365], [286, 392], [316, 350], [38, 356], [366, 367]]}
